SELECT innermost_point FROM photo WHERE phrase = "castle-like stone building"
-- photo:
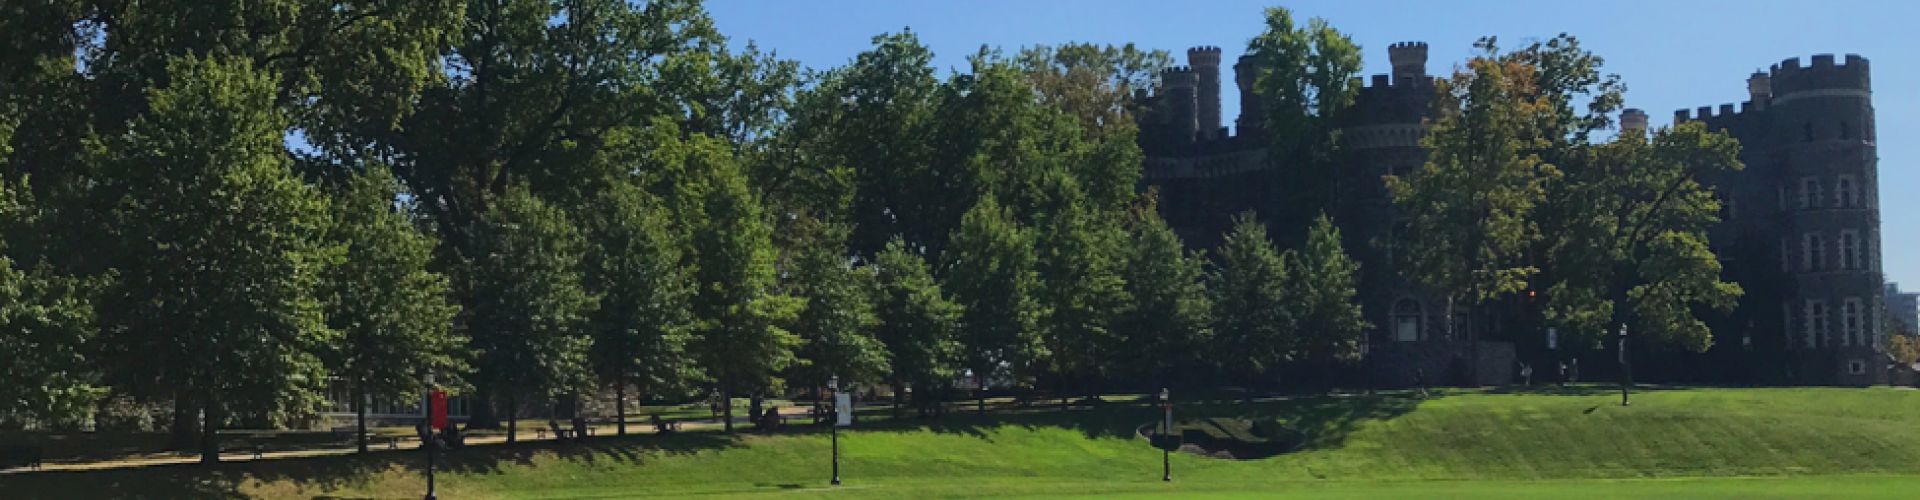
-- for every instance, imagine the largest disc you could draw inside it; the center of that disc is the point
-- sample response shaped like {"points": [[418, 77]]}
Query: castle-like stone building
{"points": [[1800, 229]]}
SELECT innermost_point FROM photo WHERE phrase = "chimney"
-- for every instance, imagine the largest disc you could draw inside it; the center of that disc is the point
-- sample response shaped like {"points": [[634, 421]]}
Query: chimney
{"points": [[1409, 61], [1205, 61], [1244, 74], [1760, 89], [1633, 119]]}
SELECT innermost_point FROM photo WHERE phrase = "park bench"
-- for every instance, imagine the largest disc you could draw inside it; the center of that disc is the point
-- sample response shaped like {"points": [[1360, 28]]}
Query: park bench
{"points": [[252, 448], [558, 432], [20, 456], [347, 434]]}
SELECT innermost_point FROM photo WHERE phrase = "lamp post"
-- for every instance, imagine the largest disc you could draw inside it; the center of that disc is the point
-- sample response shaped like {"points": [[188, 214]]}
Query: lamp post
{"points": [[833, 386], [427, 436], [1166, 437], [1626, 368]]}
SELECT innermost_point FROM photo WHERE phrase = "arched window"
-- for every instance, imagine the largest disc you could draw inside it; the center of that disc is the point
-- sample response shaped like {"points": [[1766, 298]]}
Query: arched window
{"points": [[1407, 319]]}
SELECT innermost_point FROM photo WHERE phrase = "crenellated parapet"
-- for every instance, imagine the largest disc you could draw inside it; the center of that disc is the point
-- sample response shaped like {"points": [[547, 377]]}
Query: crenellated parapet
{"points": [[1822, 74], [1384, 100]]}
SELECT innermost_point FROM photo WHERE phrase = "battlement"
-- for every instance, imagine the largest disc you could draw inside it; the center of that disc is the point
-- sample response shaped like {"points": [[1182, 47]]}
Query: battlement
{"points": [[1380, 83], [1407, 46], [1705, 113], [1821, 72], [1203, 49]]}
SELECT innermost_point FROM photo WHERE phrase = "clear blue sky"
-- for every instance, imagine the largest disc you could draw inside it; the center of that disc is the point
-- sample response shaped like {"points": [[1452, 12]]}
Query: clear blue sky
{"points": [[1672, 54]]}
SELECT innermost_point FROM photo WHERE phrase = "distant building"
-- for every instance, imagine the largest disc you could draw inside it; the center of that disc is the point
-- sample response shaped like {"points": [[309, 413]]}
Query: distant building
{"points": [[1800, 226], [1903, 310]]}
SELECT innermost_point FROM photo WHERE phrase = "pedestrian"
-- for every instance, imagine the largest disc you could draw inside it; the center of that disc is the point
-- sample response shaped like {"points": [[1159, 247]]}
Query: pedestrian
{"points": [[1563, 374], [1526, 374]]}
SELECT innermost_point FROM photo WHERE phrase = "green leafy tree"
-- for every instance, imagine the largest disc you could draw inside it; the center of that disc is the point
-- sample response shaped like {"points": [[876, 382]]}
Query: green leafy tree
{"points": [[1167, 330], [919, 324], [1639, 239], [395, 315], [1080, 286], [1470, 209], [1253, 321], [220, 306], [742, 343], [1306, 78], [1323, 280], [530, 319], [989, 268], [645, 319], [1094, 85], [838, 319], [46, 325]]}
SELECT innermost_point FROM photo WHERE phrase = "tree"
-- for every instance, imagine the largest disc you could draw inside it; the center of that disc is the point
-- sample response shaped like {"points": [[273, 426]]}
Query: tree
{"points": [[221, 307], [1470, 207], [919, 324], [46, 326], [395, 315], [989, 268], [1080, 287], [531, 310], [1639, 237], [645, 319], [1167, 330], [742, 341], [837, 322], [1253, 323], [1094, 85], [1902, 347], [1322, 280], [1306, 79]]}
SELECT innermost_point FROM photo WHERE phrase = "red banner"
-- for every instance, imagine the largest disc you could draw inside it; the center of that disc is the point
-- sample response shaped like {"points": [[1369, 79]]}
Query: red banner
{"points": [[437, 409]]}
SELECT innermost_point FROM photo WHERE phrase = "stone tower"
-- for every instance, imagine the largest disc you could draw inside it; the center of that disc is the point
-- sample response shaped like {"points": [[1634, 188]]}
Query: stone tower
{"points": [[1801, 224], [1244, 77], [1181, 104], [1205, 61], [1409, 60], [1633, 119]]}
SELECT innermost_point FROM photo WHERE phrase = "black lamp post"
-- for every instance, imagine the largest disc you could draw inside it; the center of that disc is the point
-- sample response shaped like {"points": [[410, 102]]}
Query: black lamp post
{"points": [[1166, 436], [1626, 367], [833, 386], [428, 436]]}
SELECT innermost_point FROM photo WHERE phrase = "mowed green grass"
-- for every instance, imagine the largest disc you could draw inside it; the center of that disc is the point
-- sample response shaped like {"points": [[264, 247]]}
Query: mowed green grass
{"points": [[1694, 443]]}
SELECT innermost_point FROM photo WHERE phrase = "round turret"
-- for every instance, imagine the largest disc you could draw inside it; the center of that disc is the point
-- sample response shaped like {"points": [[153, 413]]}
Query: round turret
{"points": [[1759, 88], [1206, 68], [1633, 119], [1409, 60]]}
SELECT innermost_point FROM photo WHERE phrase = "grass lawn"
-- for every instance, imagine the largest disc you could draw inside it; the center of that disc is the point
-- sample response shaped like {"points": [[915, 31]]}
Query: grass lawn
{"points": [[1693, 443]]}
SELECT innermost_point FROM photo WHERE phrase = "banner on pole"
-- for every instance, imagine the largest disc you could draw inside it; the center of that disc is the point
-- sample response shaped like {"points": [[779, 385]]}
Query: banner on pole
{"points": [[437, 409], [843, 410]]}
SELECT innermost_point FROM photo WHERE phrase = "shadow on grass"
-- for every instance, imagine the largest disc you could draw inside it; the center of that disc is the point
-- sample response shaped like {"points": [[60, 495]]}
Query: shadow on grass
{"points": [[333, 473]]}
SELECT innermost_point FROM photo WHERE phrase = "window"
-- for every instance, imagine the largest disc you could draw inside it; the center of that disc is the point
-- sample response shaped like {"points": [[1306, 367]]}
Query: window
{"points": [[1813, 252], [1819, 333], [1852, 331], [1844, 194], [1786, 256], [1850, 250], [1786, 310], [1406, 320], [1810, 193], [1856, 367]]}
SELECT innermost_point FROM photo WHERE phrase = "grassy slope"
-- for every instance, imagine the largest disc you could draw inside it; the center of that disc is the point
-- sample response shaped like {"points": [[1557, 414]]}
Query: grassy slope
{"points": [[1841, 442]]}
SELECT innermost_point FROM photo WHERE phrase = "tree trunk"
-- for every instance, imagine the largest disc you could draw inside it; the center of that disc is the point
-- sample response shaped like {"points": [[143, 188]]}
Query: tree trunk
{"points": [[980, 390], [210, 434], [755, 406], [1626, 369], [513, 418], [186, 422], [897, 391], [620, 408], [360, 413], [726, 410]]}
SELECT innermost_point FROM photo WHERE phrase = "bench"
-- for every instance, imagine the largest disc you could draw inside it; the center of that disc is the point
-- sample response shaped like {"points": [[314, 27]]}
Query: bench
{"points": [[663, 426], [254, 449], [20, 456]]}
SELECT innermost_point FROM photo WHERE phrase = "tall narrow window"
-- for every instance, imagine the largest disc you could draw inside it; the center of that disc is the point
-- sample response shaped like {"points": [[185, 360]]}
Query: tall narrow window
{"points": [[1851, 331], [1850, 250], [1406, 320], [1810, 193], [1786, 256], [1813, 252], [1844, 193], [1788, 327], [1818, 333]]}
